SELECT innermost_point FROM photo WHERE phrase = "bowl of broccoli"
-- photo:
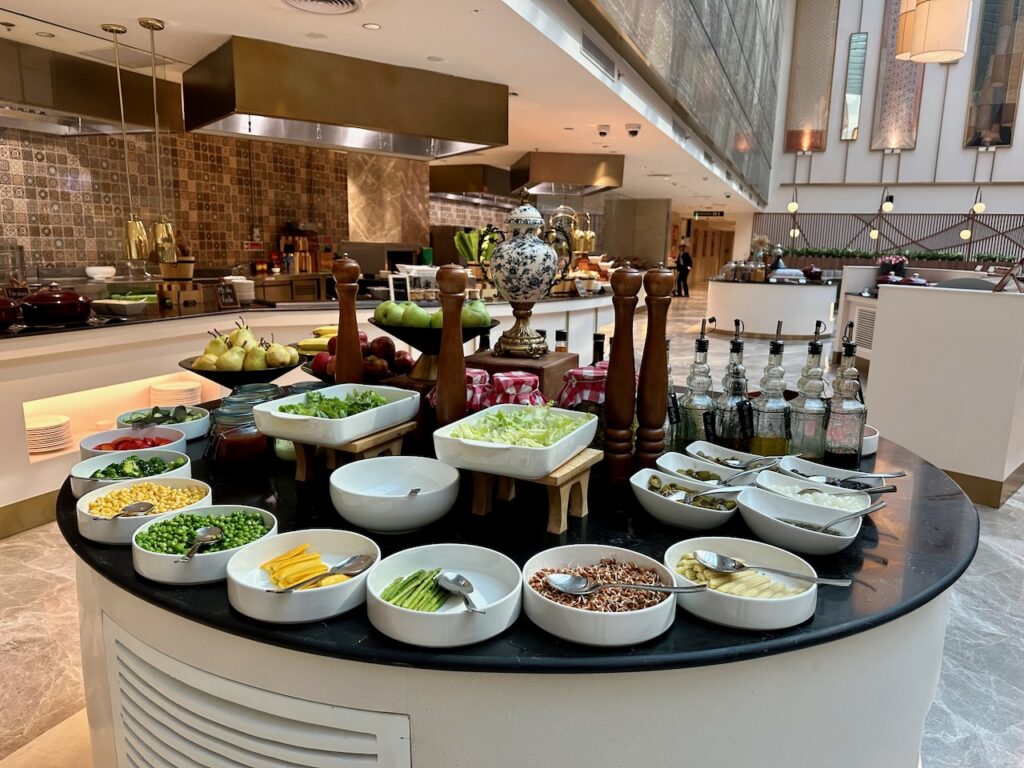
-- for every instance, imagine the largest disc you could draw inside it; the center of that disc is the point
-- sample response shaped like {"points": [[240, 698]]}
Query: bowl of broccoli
{"points": [[118, 466]]}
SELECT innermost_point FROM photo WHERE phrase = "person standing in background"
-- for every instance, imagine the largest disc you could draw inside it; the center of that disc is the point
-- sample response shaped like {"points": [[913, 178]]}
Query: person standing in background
{"points": [[683, 265]]}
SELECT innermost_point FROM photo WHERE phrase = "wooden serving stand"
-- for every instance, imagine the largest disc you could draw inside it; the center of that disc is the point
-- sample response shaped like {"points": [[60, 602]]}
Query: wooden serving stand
{"points": [[387, 442], [567, 489]]}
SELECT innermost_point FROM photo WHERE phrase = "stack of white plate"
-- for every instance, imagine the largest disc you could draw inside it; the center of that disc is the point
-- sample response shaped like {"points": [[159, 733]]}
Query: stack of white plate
{"points": [[245, 289], [172, 393], [48, 433]]}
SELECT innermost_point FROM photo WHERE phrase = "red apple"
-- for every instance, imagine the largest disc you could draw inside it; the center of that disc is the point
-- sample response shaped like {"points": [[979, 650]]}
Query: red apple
{"points": [[364, 348], [375, 368], [331, 366], [319, 363], [332, 345], [383, 347], [363, 337], [403, 362]]}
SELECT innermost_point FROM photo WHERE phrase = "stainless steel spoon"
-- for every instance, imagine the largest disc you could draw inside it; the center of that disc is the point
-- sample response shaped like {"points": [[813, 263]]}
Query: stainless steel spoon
{"points": [[725, 564], [350, 566], [837, 480], [686, 497], [135, 509], [571, 584], [205, 535], [458, 584], [749, 463], [847, 516], [848, 491]]}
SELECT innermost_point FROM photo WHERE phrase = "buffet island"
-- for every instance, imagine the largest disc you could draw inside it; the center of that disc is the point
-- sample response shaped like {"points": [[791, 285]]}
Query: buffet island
{"points": [[762, 305]]}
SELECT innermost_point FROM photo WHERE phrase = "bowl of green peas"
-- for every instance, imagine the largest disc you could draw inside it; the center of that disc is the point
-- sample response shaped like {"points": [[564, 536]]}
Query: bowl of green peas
{"points": [[159, 546]]}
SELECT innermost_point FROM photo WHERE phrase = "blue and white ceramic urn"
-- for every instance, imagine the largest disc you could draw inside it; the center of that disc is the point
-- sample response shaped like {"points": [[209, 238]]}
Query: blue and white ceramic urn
{"points": [[524, 266]]}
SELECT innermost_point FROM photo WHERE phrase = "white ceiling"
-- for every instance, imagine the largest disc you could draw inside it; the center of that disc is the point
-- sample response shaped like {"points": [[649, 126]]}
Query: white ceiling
{"points": [[483, 39]]}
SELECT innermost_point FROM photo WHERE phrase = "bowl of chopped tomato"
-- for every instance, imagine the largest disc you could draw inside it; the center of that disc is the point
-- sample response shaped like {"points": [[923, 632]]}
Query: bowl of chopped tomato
{"points": [[168, 438]]}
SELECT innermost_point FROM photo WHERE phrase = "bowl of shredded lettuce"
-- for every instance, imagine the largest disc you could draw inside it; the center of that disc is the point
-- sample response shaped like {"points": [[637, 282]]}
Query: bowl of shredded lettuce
{"points": [[523, 441]]}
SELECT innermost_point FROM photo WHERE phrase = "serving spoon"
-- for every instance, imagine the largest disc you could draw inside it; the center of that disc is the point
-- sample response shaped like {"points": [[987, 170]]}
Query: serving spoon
{"points": [[726, 564], [687, 497], [843, 491], [205, 535], [458, 584], [350, 566], [135, 509], [829, 480], [823, 528], [572, 584]]}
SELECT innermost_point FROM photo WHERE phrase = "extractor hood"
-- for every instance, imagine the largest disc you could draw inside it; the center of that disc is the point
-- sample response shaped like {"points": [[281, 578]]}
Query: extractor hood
{"points": [[264, 90], [563, 173], [51, 92], [475, 184]]}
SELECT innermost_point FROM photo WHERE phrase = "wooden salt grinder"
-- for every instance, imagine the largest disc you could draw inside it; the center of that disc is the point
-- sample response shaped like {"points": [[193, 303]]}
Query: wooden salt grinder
{"points": [[620, 389], [652, 398], [348, 359], [451, 364]]}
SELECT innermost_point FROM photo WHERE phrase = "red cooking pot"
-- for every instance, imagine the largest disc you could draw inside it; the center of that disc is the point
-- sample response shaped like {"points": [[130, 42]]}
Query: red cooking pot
{"points": [[54, 305], [8, 314]]}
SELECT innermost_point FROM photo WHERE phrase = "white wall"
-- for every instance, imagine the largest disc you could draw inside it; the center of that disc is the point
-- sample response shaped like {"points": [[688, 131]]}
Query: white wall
{"points": [[938, 176]]}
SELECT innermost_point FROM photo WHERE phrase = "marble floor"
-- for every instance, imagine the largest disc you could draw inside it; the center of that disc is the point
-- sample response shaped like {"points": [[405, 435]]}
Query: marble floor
{"points": [[976, 721]]}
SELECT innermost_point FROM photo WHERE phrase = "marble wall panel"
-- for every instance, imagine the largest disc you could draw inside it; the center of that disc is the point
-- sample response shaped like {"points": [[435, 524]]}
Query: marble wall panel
{"points": [[388, 199]]}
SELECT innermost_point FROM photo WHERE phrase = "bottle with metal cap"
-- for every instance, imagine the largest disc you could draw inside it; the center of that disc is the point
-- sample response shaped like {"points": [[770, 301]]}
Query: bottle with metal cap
{"points": [[734, 417], [844, 431], [809, 409], [698, 407], [771, 411]]}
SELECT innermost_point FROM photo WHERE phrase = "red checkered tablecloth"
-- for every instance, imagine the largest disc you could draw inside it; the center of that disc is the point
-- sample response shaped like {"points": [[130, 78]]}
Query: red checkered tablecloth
{"points": [[477, 386], [514, 388], [583, 384]]}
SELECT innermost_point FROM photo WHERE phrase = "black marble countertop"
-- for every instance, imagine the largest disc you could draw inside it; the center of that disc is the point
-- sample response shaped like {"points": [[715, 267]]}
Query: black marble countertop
{"points": [[905, 555]]}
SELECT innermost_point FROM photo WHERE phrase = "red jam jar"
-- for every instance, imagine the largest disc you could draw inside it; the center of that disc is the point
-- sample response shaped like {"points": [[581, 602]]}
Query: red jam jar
{"points": [[234, 436]]}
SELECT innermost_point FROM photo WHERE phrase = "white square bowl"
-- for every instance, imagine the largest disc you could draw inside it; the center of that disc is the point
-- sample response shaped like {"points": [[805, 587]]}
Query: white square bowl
{"points": [[512, 460], [205, 567], [82, 483], [746, 612], [597, 628], [672, 463], [402, 405], [248, 584], [762, 510], [119, 530], [794, 466], [673, 512], [496, 584], [776, 481]]}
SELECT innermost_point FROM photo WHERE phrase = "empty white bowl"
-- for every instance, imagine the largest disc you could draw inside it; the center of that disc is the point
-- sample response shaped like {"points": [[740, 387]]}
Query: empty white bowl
{"points": [[763, 509], [869, 446], [374, 493], [674, 462], [736, 610], [82, 483], [121, 307], [193, 430], [204, 567], [99, 272], [87, 448], [248, 582], [673, 512], [791, 465], [595, 627], [119, 530], [777, 481], [496, 584]]}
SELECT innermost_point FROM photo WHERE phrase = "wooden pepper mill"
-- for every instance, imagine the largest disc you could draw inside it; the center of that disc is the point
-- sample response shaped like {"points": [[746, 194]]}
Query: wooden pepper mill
{"points": [[620, 389], [348, 359], [652, 398], [451, 365]]}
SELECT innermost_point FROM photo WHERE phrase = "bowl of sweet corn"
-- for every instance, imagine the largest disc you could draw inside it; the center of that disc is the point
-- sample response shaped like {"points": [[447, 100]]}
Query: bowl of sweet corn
{"points": [[97, 509]]}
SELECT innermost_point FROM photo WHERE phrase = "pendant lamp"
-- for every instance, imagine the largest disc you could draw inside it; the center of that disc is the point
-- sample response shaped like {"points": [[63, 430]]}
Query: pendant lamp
{"points": [[905, 29], [940, 31]]}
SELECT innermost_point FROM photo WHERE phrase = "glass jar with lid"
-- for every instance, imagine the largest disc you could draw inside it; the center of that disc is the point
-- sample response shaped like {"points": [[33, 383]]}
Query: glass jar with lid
{"points": [[234, 436]]}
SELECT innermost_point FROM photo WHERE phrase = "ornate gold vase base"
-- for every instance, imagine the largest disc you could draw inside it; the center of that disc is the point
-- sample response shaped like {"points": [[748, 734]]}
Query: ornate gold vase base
{"points": [[521, 340]]}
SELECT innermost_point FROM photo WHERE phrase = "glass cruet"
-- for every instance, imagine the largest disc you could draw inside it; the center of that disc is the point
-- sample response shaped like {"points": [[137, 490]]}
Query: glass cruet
{"points": [[698, 407], [734, 423], [844, 431], [771, 411]]}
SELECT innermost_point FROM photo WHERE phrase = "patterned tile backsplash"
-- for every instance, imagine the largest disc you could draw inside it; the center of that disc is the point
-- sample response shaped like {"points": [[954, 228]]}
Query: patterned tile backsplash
{"points": [[449, 212], [63, 198]]}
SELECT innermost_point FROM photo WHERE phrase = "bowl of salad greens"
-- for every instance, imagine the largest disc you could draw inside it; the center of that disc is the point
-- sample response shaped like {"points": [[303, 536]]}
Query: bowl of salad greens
{"points": [[334, 416], [524, 441], [192, 421], [118, 466]]}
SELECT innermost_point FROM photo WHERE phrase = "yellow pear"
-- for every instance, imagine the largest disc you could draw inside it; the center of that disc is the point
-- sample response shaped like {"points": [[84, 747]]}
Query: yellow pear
{"points": [[205, 363], [255, 359], [216, 346], [293, 355], [277, 355], [231, 360]]}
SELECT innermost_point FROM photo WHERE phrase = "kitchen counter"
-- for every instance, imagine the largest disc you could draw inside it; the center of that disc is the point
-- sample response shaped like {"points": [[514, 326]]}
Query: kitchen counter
{"points": [[889, 626], [797, 306]]}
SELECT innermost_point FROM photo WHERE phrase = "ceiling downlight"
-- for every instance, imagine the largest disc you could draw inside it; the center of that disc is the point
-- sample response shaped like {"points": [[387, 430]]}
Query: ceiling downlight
{"points": [[325, 7]]}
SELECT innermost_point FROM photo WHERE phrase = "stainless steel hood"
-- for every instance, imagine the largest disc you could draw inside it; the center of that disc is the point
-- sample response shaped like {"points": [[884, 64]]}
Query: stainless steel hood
{"points": [[474, 184], [263, 90], [562, 173], [51, 92]]}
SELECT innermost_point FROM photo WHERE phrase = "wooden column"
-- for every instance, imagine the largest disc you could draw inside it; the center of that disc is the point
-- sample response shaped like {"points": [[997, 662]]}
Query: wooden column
{"points": [[652, 397], [451, 364], [620, 391], [348, 359]]}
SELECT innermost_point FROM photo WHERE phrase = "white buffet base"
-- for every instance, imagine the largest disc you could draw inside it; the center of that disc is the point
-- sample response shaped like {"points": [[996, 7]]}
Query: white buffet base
{"points": [[95, 374], [162, 690], [761, 305]]}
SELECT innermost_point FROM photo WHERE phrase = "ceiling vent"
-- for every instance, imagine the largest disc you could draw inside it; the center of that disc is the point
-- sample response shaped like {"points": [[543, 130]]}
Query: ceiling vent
{"points": [[598, 57], [330, 7]]}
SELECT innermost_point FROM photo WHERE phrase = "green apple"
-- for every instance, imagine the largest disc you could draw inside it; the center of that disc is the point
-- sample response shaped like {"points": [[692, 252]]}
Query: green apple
{"points": [[436, 319], [481, 309], [381, 312], [416, 317], [393, 314]]}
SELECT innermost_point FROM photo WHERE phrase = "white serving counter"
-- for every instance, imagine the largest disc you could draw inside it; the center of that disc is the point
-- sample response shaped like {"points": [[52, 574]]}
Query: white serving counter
{"points": [[761, 305]]}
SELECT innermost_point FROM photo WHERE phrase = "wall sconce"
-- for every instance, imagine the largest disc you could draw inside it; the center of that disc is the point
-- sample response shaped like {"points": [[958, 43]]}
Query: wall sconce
{"points": [[794, 233], [793, 205], [979, 205], [965, 234], [887, 204], [873, 234]]}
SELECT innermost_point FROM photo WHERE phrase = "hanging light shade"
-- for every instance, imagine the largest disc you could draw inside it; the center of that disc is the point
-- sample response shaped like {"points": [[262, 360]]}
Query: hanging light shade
{"points": [[905, 29], [940, 31], [793, 206]]}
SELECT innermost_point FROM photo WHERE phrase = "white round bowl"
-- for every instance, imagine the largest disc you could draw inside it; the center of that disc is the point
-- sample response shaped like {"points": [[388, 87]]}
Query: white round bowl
{"points": [[762, 509], [98, 273], [746, 612], [248, 582], [672, 462], [673, 512], [791, 465], [595, 627], [496, 590], [82, 483], [205, 567], [193, 430], [87, 448], [869, 446], [775, 481], [374, 493], [119, 530]]}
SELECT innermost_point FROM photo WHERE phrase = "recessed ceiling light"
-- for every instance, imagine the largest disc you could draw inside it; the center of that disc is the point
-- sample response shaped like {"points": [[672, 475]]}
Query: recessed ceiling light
{"points": [[45, 34], [434, 58], [371, 26]]}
